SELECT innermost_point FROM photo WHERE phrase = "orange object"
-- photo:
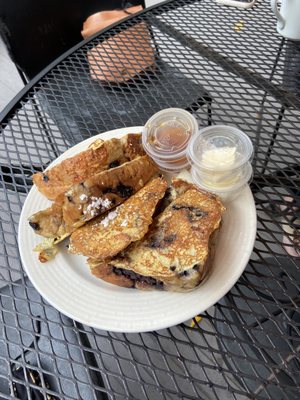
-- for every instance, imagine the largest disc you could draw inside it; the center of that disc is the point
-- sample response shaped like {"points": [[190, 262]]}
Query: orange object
{"points": [[122, 56], [172, 137], [101, 20]]}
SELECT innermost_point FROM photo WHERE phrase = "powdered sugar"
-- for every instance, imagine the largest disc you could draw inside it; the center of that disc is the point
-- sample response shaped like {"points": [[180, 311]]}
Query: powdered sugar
{"points": [[83, 197], [111, 216], [106, 203], [124, 222], [96, 204]]}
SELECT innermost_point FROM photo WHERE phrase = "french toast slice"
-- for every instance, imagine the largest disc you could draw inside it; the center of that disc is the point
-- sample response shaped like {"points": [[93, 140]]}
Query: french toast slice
{"points": [[100, 156], [50, 223], [106, 190], [176, 252], [91, 198], [103, 238]]}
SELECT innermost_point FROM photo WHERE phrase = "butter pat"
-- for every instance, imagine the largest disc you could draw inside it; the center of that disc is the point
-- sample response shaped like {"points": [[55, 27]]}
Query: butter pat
{"points": [[219, 157]]}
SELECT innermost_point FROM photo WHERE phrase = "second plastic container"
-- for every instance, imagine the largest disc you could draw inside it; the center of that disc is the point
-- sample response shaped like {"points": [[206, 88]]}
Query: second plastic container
{"points": [[220, 158]]}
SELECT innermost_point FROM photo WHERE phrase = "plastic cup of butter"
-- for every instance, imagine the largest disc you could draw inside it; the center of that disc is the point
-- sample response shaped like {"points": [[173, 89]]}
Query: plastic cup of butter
{"points": [[166, 135], [226, 193], [220, 157]]}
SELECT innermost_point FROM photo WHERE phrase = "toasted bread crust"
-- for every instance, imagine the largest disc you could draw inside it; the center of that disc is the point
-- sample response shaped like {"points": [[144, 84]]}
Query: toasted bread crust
{"points": [[105, 190], [176, 249], [104, 271], [98, 157], [49, 222], [105, 237], [93, 197]]}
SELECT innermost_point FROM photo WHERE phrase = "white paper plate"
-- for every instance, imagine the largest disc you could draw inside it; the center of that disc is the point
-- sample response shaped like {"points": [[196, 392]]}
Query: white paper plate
{"points": [[67, 284]]}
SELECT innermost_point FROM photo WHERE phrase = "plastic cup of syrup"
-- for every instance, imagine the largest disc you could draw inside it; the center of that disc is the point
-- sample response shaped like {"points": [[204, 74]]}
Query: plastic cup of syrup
{"points": [[166, 136]]}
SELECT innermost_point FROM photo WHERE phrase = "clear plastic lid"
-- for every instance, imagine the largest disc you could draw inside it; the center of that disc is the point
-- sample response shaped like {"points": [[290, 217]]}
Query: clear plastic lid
{"points": [[219, 148], [167, 133]]}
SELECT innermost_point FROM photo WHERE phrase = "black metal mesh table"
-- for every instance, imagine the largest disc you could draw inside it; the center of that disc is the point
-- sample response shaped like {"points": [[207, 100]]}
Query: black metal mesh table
{"points": [[226, 66]]}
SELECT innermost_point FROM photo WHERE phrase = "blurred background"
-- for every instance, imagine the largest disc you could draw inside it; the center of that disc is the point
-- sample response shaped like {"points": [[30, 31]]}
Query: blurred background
{"points": [[10, 80]]}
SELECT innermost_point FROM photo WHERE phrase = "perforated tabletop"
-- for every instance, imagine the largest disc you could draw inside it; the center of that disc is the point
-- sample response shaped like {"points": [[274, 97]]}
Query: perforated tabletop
{"points": [[227, 66]]}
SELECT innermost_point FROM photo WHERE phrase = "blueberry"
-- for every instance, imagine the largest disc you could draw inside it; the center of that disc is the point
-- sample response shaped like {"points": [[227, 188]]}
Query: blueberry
{"points": [[34, 225], [117, 271], [108, 190], [184, 273], [114, 164], [170, 238], [159, 284], [124, 191]]}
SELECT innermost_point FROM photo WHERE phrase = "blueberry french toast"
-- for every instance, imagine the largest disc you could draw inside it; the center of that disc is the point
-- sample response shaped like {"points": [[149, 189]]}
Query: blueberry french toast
{"points": [[108, 235], [135, 230], [100, 156], [176, 252], [86, 200]]}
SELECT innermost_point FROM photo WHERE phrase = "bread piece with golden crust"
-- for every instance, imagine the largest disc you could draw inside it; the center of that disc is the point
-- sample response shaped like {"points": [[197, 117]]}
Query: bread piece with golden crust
{"points": [[91, 198], [100, 156], [105, 190], [180, 186], [132, 146], [105, 237], [49, 222], [176, 252], [104, 271]]}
